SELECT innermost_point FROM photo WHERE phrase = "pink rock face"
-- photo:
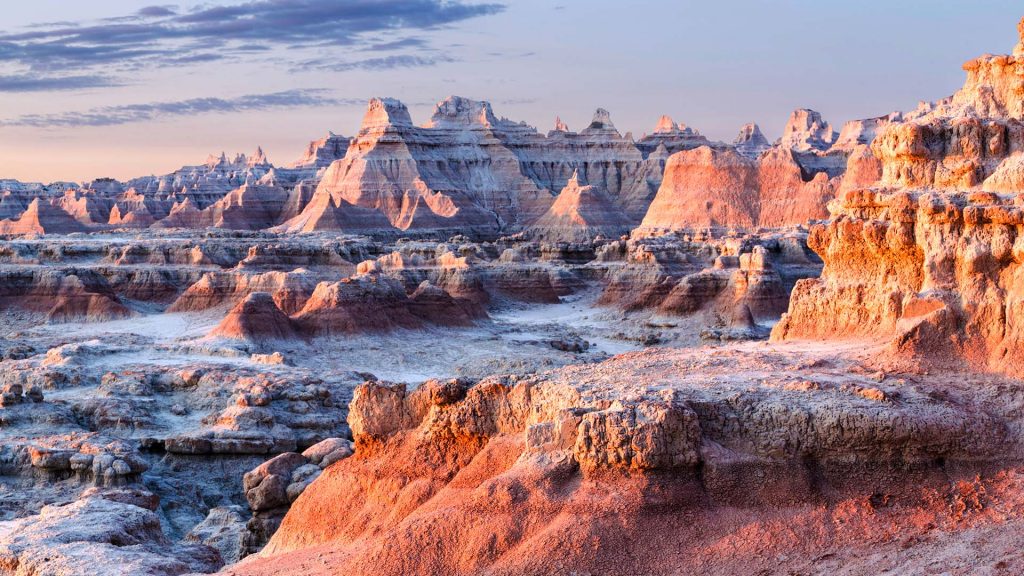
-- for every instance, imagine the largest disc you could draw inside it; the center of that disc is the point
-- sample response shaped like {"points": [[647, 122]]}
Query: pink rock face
{"points": [[705, 188], [719, 188], [42, 218], [806, 130]]}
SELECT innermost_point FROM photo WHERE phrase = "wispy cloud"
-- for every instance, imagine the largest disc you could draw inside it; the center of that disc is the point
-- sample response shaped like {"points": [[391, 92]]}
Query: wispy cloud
{"points": [[35, 83], [382, 63], [127, 114], [162, 34]]}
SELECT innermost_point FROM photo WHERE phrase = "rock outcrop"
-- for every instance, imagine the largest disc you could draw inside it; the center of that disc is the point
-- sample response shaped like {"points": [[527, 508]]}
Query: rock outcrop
{"points": [[468, 170], [806, 130], [98, 535], [500, 476], [933, 272]]}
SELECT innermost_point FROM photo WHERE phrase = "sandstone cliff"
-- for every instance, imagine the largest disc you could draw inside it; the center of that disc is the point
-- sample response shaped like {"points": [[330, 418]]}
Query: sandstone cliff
{"points": [[936, 274], [929, 261]]}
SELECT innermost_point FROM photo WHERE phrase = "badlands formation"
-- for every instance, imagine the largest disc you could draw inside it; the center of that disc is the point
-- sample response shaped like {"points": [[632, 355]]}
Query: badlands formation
{"points": [[467, 347]]}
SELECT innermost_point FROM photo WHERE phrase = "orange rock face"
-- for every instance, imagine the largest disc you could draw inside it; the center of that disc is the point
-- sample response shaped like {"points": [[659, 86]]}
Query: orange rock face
{"points": [[961, 142], [937, 274]]}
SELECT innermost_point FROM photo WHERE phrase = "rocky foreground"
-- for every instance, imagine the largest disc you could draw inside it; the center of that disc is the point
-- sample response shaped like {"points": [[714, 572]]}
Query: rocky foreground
{"points": [[736, 460], [469, 348]]}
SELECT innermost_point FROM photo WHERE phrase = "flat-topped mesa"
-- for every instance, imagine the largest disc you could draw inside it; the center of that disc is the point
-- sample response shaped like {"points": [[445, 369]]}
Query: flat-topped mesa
{"points": [[383, 113], [321, 153], [672, 136], [460, 112], [750, 142], [863, 132], [807, 131]]}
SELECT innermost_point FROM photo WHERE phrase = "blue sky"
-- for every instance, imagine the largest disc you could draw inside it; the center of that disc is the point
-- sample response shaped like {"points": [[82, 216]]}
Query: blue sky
{"points": [[124, 88]]}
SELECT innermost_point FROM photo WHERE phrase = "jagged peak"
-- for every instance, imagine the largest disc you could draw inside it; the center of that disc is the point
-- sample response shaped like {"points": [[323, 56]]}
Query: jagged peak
{"points": [[560, 126], [259, 158], [1018, 51], [574, 181], [213, 160], [665, 125], [750, 133]]}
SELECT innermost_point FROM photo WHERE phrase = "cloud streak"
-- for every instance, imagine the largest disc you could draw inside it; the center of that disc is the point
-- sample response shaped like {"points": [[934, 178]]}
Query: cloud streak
{"points": [[33, 83], [158, 34], [132, 113], [383, 63]]}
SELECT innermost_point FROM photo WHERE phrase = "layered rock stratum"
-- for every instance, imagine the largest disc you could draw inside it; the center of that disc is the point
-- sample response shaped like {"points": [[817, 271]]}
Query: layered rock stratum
{"points": [[466, 347]]}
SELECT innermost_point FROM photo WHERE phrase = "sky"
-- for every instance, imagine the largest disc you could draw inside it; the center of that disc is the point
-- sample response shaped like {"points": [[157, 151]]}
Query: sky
{"points": [[125, 88]]}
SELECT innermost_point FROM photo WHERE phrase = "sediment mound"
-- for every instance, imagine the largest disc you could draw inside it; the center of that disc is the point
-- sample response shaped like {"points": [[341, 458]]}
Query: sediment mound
{"points": [[578, 214], [256, 319]]}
